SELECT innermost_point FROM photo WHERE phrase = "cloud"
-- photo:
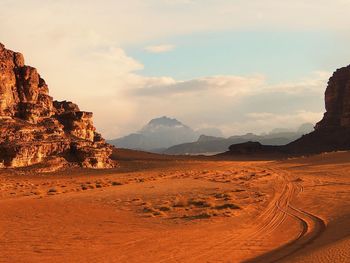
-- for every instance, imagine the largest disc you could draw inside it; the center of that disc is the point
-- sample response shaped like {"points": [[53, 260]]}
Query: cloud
{"points": [[267, 121], [131, 22], [299, 116], [115, 57], [160, 48], [226, 85], [180, 1], [83, 59], [311, 83]]}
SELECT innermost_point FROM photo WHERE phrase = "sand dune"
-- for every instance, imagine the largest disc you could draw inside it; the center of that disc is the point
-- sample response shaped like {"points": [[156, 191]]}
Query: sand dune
{"points": [[184, 210]]}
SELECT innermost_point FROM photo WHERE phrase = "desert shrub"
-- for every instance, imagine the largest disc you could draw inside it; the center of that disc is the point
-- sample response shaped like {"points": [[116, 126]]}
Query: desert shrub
{"points": [[180, 201], [164, 208], [201, 203], [204, 215], [52, 190], [227, 206]]}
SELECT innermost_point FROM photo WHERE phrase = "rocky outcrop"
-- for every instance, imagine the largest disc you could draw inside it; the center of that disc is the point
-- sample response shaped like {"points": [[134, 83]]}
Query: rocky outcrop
{"points": [[337, 101], [332, 133], [34, 128]]}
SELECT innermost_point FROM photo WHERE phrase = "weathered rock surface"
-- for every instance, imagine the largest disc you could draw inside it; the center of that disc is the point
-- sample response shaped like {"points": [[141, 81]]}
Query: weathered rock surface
{"points": [[332, 133], [337, 100], [34, 128]]}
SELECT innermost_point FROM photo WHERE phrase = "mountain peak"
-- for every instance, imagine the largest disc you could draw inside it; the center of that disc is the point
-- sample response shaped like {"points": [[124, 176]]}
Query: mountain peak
{"points": [[165, 121]]}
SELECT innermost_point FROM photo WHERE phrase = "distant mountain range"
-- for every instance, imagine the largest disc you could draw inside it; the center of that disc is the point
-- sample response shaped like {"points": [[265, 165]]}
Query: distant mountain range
{"points": [[170, 136], [211, 145], [161, 133]]}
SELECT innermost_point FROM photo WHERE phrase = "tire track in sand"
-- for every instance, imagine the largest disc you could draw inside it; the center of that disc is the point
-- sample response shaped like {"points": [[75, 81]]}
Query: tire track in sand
{"points": [[267, 222], [270, 221], [311, 225]]}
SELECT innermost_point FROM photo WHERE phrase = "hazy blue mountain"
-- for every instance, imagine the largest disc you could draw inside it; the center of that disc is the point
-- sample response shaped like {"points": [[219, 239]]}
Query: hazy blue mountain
{"points": [[215, 132], [159, 133], [212, 145]]}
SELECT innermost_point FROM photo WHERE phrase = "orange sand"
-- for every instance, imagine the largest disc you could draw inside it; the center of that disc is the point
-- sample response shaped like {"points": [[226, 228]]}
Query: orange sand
{"points": [[186, 210]]}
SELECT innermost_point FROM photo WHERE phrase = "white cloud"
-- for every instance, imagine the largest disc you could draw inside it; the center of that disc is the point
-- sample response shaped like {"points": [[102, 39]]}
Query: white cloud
{"points": [[280, 120], [134, 21], [224, 85], [116, 58], [311, 83], [228, 85], [160, 48], [267, 121]]}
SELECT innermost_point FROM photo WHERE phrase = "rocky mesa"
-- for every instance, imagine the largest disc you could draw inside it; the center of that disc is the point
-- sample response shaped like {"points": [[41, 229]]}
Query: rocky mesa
{"points": [[35, 128], [337, 101], [332, 133]]}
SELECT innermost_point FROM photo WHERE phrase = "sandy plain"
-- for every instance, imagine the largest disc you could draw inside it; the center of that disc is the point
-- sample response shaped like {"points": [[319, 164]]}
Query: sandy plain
{"points": [[161, 209]]}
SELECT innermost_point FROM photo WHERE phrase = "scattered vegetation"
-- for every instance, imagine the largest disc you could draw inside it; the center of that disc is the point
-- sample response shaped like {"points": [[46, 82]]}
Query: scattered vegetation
{"points": [[180, 201], [227, 206]]}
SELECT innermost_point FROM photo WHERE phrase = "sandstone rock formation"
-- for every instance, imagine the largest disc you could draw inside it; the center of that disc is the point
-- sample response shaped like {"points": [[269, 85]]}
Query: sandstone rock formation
{"points": [[35, 128], [337, 100], [332, 133]]}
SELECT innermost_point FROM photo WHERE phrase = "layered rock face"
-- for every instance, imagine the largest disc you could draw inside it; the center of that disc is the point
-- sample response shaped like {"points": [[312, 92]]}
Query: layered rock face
{"points": [[34, 127], [337, 100]]}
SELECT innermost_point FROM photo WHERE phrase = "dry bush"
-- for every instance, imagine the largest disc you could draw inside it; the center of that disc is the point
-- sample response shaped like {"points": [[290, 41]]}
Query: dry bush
{"points": [[159, 213], [204, 215], [149, 209], [165, 208], [227, 206], [52, 190], [180, 201], [202, 203], [225, 196]]}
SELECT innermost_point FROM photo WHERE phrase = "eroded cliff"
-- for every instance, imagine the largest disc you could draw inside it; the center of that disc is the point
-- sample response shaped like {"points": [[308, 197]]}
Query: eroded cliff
{"points": [[35, 128]]}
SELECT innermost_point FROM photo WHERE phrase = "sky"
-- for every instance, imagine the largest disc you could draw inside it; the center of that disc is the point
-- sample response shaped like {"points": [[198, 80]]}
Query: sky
{"points": [[240, 66]]}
